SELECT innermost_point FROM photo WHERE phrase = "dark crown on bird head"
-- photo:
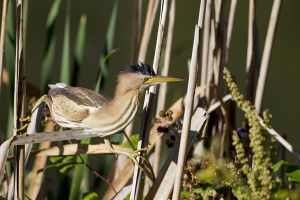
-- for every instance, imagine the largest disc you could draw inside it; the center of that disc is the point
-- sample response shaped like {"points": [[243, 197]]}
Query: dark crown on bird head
{"points": [[139, 68]]}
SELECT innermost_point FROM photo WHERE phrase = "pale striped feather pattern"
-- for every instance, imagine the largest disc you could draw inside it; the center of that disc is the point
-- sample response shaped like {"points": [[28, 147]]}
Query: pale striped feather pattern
{"points": [[71, 106], [119, 122]]}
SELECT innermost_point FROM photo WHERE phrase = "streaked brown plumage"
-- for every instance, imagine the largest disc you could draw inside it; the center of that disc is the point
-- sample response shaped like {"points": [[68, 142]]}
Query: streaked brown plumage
{"points": [[80, 108]]}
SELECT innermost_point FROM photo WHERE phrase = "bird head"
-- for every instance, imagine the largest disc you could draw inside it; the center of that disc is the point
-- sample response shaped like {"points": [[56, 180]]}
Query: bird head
{"points": [[139, 77]]}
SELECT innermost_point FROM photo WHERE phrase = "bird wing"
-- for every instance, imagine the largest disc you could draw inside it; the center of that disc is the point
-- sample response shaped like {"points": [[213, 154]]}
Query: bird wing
{"points": [[75, 103]]}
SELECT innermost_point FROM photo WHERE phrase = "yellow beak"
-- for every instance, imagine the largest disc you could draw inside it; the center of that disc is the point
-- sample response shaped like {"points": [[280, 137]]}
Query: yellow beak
{"points": [[162, 79]]}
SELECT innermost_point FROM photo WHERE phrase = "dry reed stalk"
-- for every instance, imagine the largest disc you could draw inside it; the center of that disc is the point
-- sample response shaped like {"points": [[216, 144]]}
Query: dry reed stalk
{"points": [[32, 128], [280, 139], [210, 63], [150, 18], [250, 68], [138, 180], [266, 54], [19, 103], [74, 149], [229, 30], [136, 29], [39, 163], [205, 45], [162, 94], [189, 103], [137, 11], [2, 39], [220, 43]]}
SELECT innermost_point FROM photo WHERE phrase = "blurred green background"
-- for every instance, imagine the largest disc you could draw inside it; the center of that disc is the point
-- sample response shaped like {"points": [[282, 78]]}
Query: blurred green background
{"points": [[282, 93]]}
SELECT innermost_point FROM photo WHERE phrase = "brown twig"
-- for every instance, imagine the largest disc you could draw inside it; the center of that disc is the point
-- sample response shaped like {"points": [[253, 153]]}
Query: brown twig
{"points": [[94, 171]]}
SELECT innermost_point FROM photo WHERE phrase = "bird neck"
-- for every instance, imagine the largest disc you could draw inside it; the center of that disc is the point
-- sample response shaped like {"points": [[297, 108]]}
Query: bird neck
{"points": [[115, 115]]}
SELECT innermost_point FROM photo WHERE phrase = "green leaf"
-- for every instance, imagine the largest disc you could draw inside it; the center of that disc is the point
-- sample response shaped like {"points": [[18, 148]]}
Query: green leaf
{"points": [[198, 190], [55, 159], [48, 60], [108, 47], [90, 196], [61, 166], [278, 165], [53, 13], [79, 49], [134, 139], [65, 168], [293, 172], [67, 159], [65, 63], [9, 56], [186, 194]]}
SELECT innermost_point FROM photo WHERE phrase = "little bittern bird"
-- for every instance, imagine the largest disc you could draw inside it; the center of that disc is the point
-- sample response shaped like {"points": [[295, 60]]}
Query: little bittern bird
{"points": [[80, 108]]}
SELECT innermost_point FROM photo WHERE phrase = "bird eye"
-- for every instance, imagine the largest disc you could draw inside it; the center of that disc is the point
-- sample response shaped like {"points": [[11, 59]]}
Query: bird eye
{"points": [[146, 79]]}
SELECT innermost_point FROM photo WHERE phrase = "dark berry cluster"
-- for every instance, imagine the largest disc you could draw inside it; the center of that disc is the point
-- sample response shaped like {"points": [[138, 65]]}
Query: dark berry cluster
{"points": [[170, 129]]}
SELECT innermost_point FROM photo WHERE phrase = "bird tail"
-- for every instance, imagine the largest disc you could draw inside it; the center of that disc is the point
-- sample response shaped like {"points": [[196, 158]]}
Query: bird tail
{"points": [[58, 85]]}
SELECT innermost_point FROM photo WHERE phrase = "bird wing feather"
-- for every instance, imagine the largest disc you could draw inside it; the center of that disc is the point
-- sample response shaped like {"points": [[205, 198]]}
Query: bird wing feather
{"points": [[75, 103]]}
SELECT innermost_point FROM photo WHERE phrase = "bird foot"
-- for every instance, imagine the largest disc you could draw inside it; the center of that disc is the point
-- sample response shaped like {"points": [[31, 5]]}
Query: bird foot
{"points": [[26, 120], [132, 155]]}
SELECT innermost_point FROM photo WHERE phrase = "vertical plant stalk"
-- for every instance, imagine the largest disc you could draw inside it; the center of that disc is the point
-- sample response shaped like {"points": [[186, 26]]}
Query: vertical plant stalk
{"points": [[229, 29], [39, 163], [210, 59], [220, 44], [205, 45], [162, 94], [80, 176], [138, 177], [135, 30], [19, 103], [108, 46], [79, 49], [150, 17], [266, 54], [250, 68], [65, 63], [2, 39], [189, 103]]}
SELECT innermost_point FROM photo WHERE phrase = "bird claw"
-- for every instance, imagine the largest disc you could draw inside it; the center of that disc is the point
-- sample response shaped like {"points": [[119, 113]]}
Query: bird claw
{"points": [[23, 127], [133, 156], [27, 120]]}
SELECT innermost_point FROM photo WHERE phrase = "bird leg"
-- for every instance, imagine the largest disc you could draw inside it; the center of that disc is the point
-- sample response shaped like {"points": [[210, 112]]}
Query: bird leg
{"points": [[131, 155], [27, 119]]}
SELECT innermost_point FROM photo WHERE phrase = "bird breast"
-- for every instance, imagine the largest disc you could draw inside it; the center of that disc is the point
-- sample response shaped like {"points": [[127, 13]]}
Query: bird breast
{"points": [[113, 116]]}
